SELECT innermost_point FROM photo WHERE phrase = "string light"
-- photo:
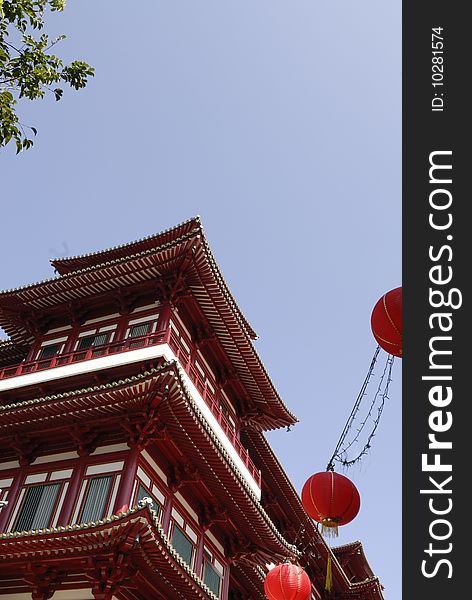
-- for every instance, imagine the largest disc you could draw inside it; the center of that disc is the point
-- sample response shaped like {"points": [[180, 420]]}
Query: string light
{"points": [[340, 453]]}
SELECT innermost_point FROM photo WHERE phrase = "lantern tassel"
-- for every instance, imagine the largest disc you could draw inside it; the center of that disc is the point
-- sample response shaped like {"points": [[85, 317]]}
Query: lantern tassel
{"points": [[329, 575], [329, 528]]}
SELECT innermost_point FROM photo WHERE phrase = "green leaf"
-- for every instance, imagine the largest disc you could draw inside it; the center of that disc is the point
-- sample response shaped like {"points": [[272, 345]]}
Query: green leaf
{"points": [[27, 68]]}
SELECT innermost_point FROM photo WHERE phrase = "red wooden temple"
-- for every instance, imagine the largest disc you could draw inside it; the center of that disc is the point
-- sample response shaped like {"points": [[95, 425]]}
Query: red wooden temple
{"points": [[133, 462]]}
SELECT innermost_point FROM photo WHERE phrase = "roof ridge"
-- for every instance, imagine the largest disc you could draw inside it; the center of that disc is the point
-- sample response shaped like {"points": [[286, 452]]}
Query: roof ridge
{"points": [[94, 267], [196, 218]]}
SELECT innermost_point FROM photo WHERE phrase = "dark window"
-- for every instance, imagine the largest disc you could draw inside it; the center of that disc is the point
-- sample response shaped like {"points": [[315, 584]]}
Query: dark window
{"points": [[144, 493], [211, 578], [49, 351], [140, 329], [182, 545], [96, 499], [92, 340], [37, 507]]}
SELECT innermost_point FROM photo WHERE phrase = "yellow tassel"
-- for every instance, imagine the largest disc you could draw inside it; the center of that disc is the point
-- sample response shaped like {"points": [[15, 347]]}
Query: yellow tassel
{"points": [[329, 527], [329, 575]]}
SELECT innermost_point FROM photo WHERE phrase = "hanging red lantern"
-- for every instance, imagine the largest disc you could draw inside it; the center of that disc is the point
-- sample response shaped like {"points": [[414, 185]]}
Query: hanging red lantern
{"points": [[386, 322], [287, 582], [331, 499]]}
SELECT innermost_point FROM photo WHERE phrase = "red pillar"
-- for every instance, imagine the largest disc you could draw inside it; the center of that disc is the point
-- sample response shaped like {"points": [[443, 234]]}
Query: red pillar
{"points": [[199, 556], [167, 512], [164, 317], [125, 489], [65, 516]]}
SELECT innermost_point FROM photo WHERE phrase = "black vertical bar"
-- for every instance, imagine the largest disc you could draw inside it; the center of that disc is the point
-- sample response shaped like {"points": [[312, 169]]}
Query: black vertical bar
{"points": [[436, 272]]}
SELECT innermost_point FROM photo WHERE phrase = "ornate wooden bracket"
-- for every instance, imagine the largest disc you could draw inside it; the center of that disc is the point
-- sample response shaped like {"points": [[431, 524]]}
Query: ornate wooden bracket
{"points": [[251, 417], [227, 374], [43, 581], [85, 439], [181, 474], [125, 301], [25, 448], [145, 429], [109, 573], [203, 335], [287, 529], [211, 514], [240, 549], [77, 313], [35, 321], [269, 500], [172, 288]]}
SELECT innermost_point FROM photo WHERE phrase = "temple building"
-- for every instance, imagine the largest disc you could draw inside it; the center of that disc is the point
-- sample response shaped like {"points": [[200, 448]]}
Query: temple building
{"points": [[133, 458]]}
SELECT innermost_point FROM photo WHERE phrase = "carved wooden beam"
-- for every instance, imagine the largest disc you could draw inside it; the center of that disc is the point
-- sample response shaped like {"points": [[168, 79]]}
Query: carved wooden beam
{"points": [[85, 439], [251, 417], [181, 474], [109, 573], [125, 301], [146, 428], [77, 313], [211, 514], [43, 580], [25, 448], [227, 374], [239, 548], [203, 335], [172, 288]]}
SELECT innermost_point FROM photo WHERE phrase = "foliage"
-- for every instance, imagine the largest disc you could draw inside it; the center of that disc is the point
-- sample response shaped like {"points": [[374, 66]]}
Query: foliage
{"points": [[27, 69]]}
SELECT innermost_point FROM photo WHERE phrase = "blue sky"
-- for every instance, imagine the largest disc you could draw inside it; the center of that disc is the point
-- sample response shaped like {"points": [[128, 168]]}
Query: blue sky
{"points": [[280, 124]]}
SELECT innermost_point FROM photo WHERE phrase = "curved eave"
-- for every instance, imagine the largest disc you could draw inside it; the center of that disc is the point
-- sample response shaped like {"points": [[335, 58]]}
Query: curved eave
{"points": [[353, 556], [235, 341], [153, 551], [370, 589], [252, 577], [112, 400], [207, 285], [11, 353], [281, 483], [69, 264], [76, 263], [290, 499]]}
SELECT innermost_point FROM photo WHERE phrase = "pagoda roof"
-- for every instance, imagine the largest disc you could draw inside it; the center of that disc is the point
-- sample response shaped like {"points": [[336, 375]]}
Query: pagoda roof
{"points": [[353, 559], [11, 353], [149, 260], [136, 532], [111, 402]]}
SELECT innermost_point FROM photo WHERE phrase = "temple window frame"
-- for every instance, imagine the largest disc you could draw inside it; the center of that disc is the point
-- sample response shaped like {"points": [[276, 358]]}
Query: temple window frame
{"points": [[56, 477], [187, 529]]}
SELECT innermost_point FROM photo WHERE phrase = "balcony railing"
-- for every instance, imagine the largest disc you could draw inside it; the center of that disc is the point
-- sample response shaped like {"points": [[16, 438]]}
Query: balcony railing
{"points": [[166, 336]]}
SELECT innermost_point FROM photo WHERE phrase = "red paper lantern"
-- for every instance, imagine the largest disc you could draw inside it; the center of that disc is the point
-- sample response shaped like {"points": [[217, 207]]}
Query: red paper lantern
{"points": [[386, 322], [331, 499], [287, 582]]}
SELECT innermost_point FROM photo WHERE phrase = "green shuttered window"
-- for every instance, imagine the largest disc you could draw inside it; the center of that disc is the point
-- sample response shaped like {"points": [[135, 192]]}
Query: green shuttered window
{"points": [[37, 508], [212, 578], [182, 545], [49, 351], [92, 340], [96, 499], [138, 330]]}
